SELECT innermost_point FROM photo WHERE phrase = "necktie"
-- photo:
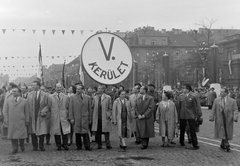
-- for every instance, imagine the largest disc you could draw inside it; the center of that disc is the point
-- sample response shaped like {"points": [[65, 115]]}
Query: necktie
{"points": [[58, 96], [99, 102], [36, 95], [81, 96], [16, 99]]}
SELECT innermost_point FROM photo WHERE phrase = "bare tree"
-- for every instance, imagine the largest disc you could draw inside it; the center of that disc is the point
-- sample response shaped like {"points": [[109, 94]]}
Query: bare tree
{"points": [[206, 26]]}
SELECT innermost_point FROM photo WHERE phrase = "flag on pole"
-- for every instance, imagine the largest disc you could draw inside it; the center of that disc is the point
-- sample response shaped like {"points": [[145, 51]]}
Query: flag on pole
{"points": [[81, 70], [40, 67], [63, 80]]}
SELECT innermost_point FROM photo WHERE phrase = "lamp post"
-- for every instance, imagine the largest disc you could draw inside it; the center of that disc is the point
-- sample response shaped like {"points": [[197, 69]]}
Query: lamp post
{"points": [[166, 67], [214, 51]]}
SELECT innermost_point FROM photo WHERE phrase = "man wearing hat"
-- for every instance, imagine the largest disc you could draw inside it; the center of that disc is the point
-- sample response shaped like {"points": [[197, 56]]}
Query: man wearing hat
{"points": [[211, 97], [188, 113], [152, 92]]}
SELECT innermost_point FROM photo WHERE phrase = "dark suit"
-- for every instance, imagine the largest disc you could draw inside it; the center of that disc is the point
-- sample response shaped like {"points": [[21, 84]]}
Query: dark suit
{"points": [[145, 126], [188, 112]]}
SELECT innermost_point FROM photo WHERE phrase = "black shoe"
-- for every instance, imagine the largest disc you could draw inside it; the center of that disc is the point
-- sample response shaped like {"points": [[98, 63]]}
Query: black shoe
{"points": [[124, 147], [174, 143], [27, 140], [22, 148], [190, 142], [99, 147], [109, 147], [137, 142], [48, 143], [35, 149], [59, 148], [88, 149], [79, 148], [182, 144], [42, 149], [144, 147], [14, 152], [196, 147], [120, 146], [65, 147]]}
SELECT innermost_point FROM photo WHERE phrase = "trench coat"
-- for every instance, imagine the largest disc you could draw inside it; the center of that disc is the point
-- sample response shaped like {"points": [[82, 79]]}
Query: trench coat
{"points": [[231, 114], [172, 119], [17, 115], [41, 125], [48, 117], [211, 95], [133, 101], [116, 116], [106, 103], [145, 127], [80, 112], [59, 113]]}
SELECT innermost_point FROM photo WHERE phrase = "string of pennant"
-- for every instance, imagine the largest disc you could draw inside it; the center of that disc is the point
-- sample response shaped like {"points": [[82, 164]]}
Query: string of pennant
{"points": [[53, 31], [25, 57], [27, 66]]}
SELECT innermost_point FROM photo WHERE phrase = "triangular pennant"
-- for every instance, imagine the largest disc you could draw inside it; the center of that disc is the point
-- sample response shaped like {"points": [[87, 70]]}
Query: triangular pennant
{"points": [[81, 31], [13, 30], [23, 30], [72, 31], [63, 31], [4, 30], [53, 31], [44, 31], [34, 30]]}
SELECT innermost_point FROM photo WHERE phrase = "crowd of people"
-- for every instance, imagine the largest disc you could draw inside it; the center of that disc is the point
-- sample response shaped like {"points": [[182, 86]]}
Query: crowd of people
{"points": [[38, 112]]}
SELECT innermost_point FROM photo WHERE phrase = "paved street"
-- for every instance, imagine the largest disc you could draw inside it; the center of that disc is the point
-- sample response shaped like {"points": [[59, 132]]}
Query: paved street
{"points": [[208, 154]]}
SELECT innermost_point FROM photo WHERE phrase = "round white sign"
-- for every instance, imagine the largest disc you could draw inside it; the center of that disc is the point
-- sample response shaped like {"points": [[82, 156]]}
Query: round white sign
{"points": [[106, 58]]}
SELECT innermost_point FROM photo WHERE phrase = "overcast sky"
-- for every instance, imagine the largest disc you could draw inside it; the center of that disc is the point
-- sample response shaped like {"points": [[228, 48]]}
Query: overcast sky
{"points": [[96, 15]]}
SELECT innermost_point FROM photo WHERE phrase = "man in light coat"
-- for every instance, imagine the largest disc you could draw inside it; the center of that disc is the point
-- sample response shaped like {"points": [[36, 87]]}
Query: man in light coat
{"points": [[145, 119], [80, 116], [48, 117], [38, 101], [16, 116], [101, 120], [7, 96], [60, 126], [224, 112]]}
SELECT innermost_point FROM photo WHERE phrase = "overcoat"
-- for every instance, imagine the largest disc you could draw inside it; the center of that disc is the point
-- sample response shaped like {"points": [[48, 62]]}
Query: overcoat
{"points": [[145, 127], [106, 103], [133, 101], [231, 114], [48, 117], [116, 116], [39, 127], [59, 113], [172, 119], [211, 95], [80, 112], [16, 114]]}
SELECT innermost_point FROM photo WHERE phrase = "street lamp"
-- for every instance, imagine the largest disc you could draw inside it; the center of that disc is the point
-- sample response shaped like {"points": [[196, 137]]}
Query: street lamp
{"points": [[166, 67]]}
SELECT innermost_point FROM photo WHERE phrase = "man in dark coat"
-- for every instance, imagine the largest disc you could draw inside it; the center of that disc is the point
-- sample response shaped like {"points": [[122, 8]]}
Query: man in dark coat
{"points": [[188, 113], [145, 120], [154, 94]]}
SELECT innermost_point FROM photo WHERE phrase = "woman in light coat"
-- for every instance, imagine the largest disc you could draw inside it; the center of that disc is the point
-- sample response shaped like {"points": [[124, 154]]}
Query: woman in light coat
{"points": [[167, 118], [122, 118]]}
